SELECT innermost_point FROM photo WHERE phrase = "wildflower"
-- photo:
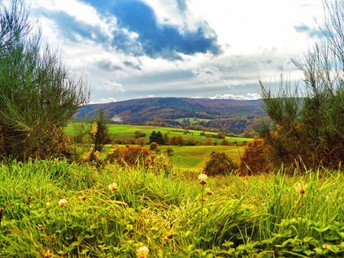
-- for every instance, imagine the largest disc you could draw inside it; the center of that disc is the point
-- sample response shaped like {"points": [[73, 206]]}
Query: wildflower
{"points": [[63, 202], [202, 179], [325, 246], [301, 189], [113, 187], [208, 191], [83, 197], [142, 252], [203, 199], [96, 154], [48, 254], [94, 128]]}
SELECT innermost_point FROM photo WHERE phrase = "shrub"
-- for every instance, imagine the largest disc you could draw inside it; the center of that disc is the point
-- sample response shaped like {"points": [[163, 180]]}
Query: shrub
{"points": [[219, 164], [177, 140], [139, 134], [129, 155], [158, 163], [225, 142], [100, 131], [311, 127], [141, 141], [169, 151], [153, 146], [37, 95], [255, 159]]}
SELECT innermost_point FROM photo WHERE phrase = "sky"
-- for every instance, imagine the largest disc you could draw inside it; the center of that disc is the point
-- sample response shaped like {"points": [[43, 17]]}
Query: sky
{"points": [[217, 49]]}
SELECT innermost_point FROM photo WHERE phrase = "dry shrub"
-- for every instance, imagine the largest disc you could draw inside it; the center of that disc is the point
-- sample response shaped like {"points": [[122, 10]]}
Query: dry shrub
{"points": [[255, 158], [219, 164], [129, 155]]}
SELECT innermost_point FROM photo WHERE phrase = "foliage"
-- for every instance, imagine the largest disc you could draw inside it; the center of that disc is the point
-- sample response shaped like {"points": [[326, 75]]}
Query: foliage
{"points": [[255, 159], [139, 134], [129, 156], [153, 146], [37, 95], [219, 164], [259, 216], [100, 131], [311, 126], [157, 137]]}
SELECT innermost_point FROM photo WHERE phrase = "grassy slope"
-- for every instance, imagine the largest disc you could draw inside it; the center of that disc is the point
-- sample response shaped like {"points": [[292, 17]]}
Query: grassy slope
{"points": [[257, 216], [127, 131]]}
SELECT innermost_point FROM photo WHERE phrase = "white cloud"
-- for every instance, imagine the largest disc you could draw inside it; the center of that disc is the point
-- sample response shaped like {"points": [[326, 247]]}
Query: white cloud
{"points": [[112, 86], [207, 74], [104, 100], [248, 96]]}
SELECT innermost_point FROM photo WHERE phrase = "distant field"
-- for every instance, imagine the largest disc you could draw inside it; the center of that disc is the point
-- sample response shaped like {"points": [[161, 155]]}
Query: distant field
{"points": [[121, 131], [195, 157], [192, 120], [184, 157]]}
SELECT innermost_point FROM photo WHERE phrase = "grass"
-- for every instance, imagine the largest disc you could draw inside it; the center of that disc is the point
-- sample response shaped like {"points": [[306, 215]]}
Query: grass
{"points": [[192, 120], [122, 131], [260, 216]]}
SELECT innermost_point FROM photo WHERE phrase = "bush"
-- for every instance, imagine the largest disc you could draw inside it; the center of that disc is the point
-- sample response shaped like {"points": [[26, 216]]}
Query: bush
{"points": [[100, 131], [255, 159], [169, 151], [219, 164], [311, 128], [128, 156], [177, 140], [139, 134], [37, 95], [225, 142], [158, 163], [153, 146]]}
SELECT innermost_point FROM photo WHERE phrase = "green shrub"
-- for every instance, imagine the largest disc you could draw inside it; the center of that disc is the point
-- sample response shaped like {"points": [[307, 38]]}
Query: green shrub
{"points": [[37, 95]]}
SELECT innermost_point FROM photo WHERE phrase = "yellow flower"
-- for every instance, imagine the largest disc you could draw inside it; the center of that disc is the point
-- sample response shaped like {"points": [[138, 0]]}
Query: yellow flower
{"points": [[94, 128], [63, 202], [325, 246], [208, 191], [96, 154], [48, 254], [301, 189], [202, 179], [113, 187], [142, 252]]}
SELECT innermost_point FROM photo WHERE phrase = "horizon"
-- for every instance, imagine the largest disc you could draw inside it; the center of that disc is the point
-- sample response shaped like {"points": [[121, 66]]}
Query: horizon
{"points": [[185, 48]]}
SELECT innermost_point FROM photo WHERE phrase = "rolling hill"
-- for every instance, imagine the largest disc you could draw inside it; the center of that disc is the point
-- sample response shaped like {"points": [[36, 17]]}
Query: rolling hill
{"points": [[227, 115]]}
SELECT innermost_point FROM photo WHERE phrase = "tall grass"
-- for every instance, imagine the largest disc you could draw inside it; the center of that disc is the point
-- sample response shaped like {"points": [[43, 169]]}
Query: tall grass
{"points": [[246, 216]]}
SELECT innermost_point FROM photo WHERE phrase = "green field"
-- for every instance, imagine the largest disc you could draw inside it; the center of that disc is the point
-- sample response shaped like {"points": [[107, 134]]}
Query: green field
{"points": [[56, 209], [122, 131], [192, 120]]}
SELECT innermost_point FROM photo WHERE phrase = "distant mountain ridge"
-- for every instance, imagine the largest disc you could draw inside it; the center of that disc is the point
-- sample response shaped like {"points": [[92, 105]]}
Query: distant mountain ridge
{"points": [[209, 112]]}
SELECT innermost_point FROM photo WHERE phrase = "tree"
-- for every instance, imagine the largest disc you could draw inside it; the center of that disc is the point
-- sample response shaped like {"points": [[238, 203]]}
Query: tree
{"points": [[156, 137], [100, 131], [310, 126], [37, 95]]}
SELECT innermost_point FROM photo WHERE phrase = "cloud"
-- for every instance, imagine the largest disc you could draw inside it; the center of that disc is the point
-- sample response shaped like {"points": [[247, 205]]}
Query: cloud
{"points": [[161, 40], [312, 32], [132, 65], [248, 96], [104, 100], [108, 66], [112, 86], [208, 74]]}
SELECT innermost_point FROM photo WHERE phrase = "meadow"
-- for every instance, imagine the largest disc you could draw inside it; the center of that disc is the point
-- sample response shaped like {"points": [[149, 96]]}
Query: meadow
{"points": [[54, 209], [183, 157], [124, 131]]}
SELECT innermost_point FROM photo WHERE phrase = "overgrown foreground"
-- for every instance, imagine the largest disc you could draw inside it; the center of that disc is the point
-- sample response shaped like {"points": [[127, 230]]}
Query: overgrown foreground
{"points": [[245, 216]]}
